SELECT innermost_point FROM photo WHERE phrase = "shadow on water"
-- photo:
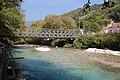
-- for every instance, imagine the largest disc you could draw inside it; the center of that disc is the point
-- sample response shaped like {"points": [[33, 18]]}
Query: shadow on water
{"points": [[43, 70], [17, 49]]}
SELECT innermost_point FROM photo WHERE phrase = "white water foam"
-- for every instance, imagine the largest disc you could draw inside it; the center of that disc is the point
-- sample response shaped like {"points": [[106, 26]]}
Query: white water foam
{"points": [[43, 48]]}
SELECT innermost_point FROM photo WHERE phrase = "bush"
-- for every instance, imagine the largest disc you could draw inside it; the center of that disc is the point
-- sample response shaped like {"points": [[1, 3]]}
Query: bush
{"points": [[77, 44], [88, 41], [115, 13], [59, 42], [110, 41], [68, 45]]}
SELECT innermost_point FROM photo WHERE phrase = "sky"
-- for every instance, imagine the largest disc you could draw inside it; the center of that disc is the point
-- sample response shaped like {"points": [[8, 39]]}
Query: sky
{"points": [[38, 9]]}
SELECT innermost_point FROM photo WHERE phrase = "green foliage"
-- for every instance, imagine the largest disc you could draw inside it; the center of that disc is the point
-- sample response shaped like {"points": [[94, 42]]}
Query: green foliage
{"points": [[68, 45], [115, 13], [59, 42], [94, 22], [77, 44], [96, 18], [38, 24], [75, 14], [55, 22], [110, 41], [11, 17], [69, 23]]}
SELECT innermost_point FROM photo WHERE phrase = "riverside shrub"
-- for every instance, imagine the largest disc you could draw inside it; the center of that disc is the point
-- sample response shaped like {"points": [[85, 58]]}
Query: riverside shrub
{"points": [[59, 42], [109, 41]]}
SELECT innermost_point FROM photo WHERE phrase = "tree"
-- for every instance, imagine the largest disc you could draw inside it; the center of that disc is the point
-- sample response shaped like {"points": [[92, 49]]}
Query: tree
{"points": [[59, 22], [86, 6], [69, 23], [53, 22], [38, 24], [11, 17]]}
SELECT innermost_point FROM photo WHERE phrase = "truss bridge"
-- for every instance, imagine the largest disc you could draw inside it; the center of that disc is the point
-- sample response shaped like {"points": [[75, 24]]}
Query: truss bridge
{"points": [[49, 33]]}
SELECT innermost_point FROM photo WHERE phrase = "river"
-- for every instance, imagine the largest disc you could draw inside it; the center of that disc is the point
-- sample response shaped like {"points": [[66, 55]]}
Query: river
{"points": [[59, 64]]}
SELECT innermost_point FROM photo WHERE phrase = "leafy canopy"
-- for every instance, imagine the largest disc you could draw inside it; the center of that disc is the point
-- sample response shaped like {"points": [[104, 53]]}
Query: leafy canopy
{"points": [[11, 17]]}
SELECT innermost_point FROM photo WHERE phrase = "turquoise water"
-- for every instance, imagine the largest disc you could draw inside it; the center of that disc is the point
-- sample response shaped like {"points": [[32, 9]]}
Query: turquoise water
{"points": [[59, 64]]}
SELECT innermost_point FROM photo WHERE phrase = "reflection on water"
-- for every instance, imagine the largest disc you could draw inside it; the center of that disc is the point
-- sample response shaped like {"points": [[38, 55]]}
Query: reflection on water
{"points": [[59, 64]]}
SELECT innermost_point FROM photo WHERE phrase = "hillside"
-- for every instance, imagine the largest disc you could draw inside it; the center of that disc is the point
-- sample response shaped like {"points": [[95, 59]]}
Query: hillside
{"points": [[91, 21], [79, 12], [95, 19]]}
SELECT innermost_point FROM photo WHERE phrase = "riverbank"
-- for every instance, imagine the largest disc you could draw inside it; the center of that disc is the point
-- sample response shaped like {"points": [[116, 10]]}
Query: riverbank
{"points": [[106, 61], [106, 57]]}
